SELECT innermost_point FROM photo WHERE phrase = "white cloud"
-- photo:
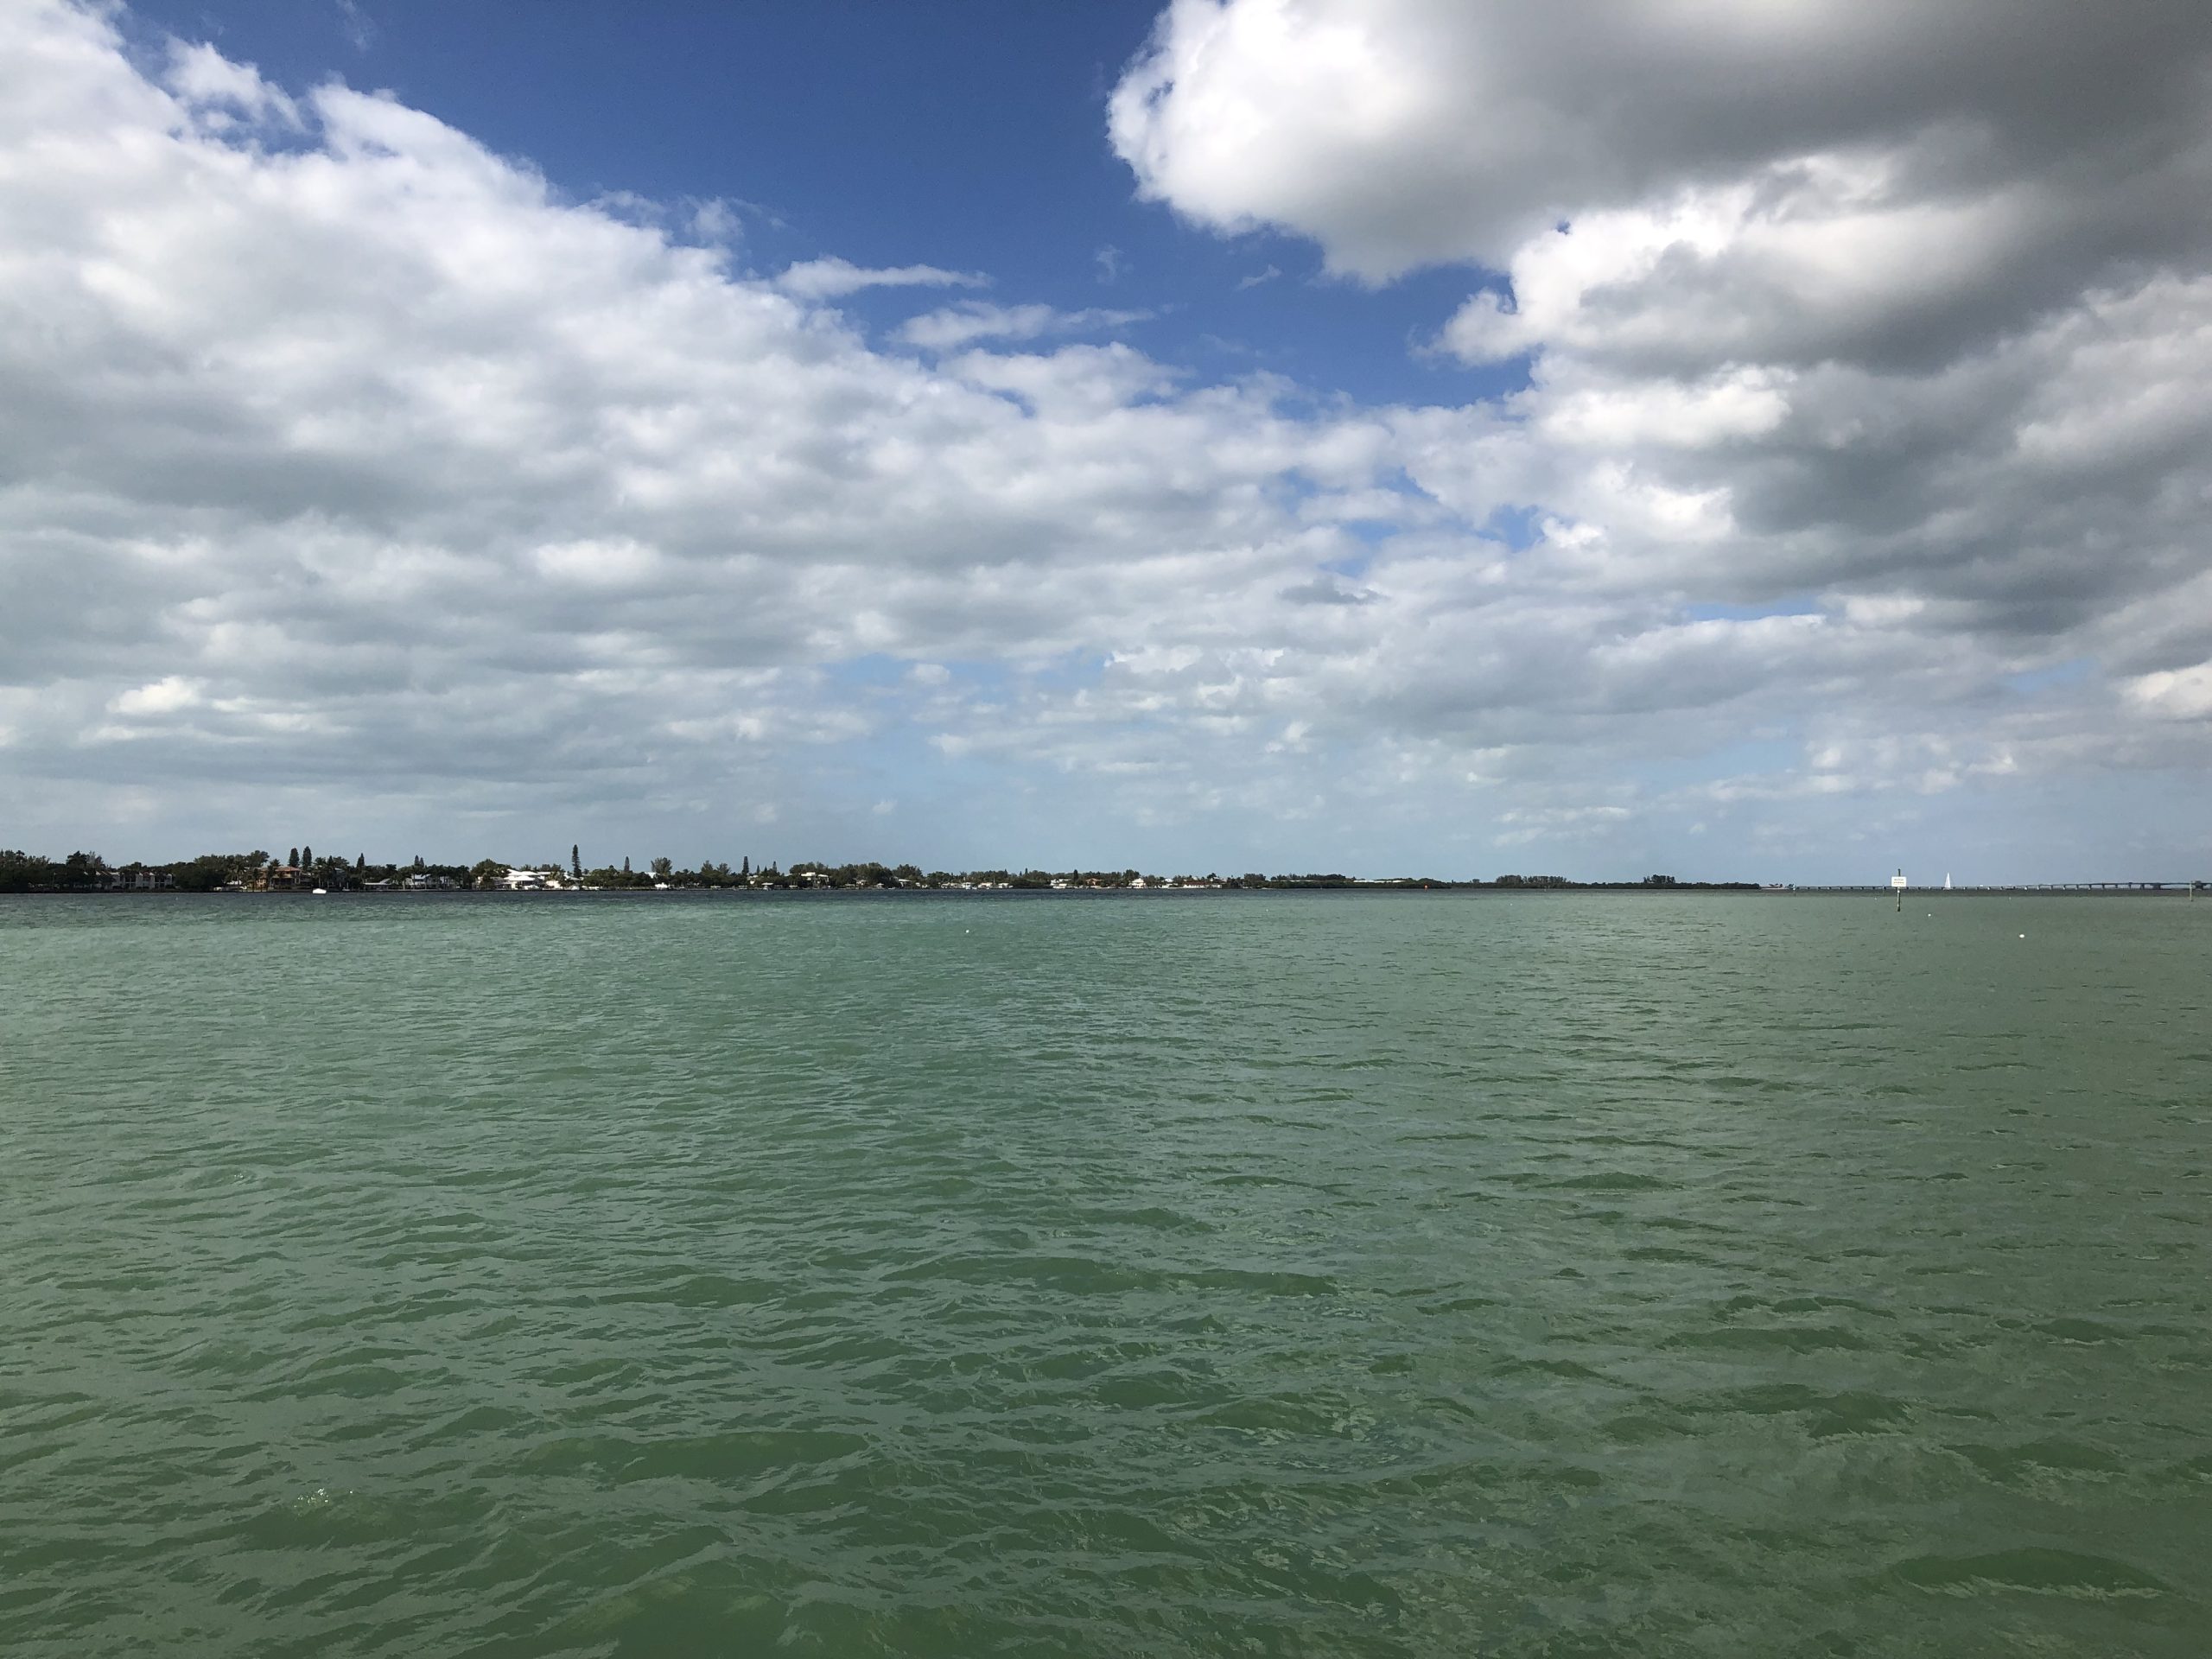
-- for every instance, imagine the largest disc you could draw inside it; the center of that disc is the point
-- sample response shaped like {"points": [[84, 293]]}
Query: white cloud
{"points": [[220, 92], [1403, 132], [964, 325], [615, 563], [715, 222], [2175, 694], [1603, 413], [831, 279], [360, 32], [374, 476], [164, 696], [1892, 314]]}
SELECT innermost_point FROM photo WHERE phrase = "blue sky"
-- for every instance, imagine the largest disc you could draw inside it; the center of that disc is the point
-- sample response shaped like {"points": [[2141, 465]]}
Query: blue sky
{"points": [[1373, 435], [968, 136]]}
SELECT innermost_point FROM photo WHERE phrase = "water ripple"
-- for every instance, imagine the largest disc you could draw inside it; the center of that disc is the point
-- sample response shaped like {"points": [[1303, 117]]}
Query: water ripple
{"points": [[1314, 1276]]}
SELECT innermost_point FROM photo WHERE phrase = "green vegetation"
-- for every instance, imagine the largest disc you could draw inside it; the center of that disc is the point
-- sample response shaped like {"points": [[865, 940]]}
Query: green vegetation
{"points": [[83, 872], [88, 872], [22, 871]]}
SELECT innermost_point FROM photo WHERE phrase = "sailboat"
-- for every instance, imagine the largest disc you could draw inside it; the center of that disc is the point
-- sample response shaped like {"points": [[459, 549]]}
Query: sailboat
{"points": [[1947, 881]]}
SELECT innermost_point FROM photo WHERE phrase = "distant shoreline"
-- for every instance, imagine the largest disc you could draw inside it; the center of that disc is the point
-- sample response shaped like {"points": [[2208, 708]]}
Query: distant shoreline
{"points": [[1434, 889], [302, 872]]}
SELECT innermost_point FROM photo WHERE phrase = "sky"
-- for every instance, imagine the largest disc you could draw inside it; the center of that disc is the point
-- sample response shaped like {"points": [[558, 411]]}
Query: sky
{"points": [[1741, 439]]}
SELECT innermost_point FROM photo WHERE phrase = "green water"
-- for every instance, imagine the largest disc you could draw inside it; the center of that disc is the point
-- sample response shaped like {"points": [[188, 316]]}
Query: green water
{"points": [[1247, 1275]]}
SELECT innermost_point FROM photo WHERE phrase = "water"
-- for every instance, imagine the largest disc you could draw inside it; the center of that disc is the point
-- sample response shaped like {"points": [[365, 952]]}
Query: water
{"points": [[1250, 1274]]}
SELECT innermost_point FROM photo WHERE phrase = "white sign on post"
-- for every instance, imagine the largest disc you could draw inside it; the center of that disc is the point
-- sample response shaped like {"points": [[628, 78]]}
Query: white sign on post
{"points": [[1896, 881]]}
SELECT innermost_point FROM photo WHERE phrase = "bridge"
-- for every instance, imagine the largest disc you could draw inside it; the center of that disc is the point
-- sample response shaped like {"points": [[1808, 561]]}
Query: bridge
{"points": [[2192, 887]]}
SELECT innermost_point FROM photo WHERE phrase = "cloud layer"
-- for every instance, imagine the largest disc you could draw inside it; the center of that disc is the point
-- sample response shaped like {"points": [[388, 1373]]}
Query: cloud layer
{"points": [[1885, 313], [1857, 484]]}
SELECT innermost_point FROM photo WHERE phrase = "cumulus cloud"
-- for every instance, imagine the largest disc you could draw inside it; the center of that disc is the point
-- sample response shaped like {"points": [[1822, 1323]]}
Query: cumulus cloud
{"points": [[1888, 314], [428, 485], [351, 467], [1401, 132]]}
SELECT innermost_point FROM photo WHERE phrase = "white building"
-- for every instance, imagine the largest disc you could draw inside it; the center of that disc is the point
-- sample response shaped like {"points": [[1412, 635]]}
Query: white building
{"points": [[140, 880]]}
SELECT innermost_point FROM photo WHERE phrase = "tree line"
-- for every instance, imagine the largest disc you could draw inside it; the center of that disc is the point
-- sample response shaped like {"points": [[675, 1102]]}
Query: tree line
{"points": [[301, 866]]}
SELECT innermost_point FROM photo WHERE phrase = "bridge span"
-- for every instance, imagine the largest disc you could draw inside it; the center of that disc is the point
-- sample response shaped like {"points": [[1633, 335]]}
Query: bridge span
{"points": [[2183, 888]]}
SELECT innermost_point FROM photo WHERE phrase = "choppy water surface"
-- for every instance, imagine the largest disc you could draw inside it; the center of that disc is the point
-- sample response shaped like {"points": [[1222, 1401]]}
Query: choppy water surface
{"points": [[1250, 1274]]}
